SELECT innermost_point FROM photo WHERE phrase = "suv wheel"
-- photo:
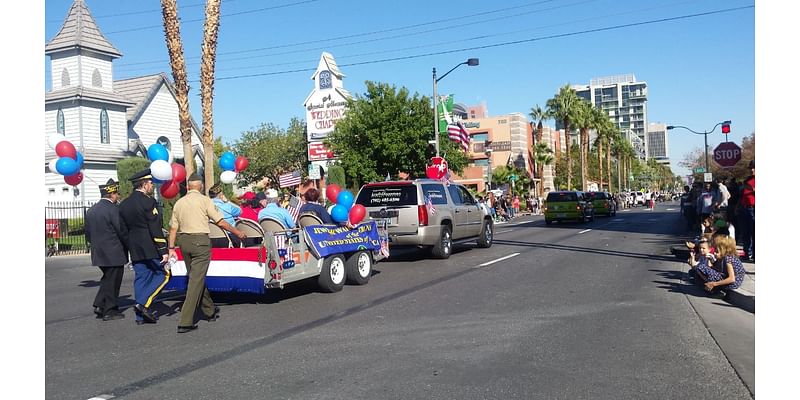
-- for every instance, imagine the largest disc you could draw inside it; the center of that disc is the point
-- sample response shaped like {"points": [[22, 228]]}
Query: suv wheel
{"points": [[444, 245], [487, 234]]}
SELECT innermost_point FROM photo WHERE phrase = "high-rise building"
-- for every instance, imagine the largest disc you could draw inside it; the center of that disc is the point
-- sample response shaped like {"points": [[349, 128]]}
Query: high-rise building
{"points": [[657, 144], [624, 99]]}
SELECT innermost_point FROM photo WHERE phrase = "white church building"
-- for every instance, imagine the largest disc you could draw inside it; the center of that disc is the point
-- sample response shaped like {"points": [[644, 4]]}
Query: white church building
{"points": [[106, 120]]}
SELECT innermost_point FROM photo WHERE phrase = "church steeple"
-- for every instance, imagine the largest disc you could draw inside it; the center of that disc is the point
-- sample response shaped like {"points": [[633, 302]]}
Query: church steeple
{"points": [[80, 32]]}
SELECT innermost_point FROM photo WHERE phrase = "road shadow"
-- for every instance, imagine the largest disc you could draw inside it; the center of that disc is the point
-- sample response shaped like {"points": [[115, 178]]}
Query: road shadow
{"points": [[89, 283], [616, 253], [679, 282]]}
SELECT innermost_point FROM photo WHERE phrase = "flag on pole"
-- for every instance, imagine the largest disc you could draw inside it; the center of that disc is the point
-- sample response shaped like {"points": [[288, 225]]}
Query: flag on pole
{"points": [[290, 179], [457, 133], [429, 206]]}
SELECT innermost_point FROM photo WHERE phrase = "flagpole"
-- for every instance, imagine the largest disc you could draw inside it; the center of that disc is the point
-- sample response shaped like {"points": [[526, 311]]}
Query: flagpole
{"points": [[435, 113]]}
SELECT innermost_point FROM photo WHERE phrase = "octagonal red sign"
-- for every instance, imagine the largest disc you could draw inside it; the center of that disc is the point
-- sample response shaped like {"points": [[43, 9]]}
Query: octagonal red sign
{"points": [[727, 154]]}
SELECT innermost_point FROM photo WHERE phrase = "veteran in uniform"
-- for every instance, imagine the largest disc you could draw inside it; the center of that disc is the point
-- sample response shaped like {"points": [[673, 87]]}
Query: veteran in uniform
{"points": [[108, 236], [188, 228], [146, 244]]}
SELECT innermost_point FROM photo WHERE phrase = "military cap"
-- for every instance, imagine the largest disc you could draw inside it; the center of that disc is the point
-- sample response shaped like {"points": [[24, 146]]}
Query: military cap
{"points": [[215, 190], [109, 188], [195, 178], [143, 174]]}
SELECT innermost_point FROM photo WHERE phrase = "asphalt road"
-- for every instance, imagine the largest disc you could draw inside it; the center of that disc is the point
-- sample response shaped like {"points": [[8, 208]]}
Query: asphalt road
{"points": [[578, 311]]}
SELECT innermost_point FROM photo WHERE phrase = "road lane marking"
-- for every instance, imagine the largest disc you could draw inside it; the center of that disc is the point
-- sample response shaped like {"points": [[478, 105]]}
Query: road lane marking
{"points": [[671, 209], [584, 231], [498, 260], [103, 397]]}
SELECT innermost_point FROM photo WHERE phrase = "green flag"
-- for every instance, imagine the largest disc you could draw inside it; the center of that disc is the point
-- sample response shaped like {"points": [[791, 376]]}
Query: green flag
{"points": [[445, 111]]}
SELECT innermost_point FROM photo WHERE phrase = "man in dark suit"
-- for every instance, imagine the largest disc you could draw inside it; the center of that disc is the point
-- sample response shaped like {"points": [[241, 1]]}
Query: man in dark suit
{"points": [[108, 237], [146, 244]]}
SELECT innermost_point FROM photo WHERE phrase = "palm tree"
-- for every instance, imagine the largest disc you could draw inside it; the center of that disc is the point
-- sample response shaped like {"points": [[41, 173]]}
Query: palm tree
{"points": [[207, 62], [539, 114], [172, 33], [614, 136], [583, 121], [543, 156], [602, 125], [562, 107]]}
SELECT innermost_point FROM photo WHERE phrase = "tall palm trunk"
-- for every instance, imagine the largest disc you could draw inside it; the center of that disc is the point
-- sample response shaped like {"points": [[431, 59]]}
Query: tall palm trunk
{"points": [[207, 62], [608, 165], [584, 132], [569, 154], [172, 33], [600, 162]]}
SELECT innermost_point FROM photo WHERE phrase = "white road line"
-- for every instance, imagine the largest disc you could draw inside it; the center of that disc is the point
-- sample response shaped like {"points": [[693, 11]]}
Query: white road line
{"points": [[584, 231], [103, 397], [671, 209], [498, 260], [506, 231], [625, 210]]}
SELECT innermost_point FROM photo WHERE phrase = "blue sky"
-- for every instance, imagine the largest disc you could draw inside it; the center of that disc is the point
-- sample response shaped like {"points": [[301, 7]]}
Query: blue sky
{"points": [[699, 70]]}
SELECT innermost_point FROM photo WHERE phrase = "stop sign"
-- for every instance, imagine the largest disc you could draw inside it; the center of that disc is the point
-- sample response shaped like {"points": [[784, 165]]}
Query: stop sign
{"points": [[727, 154]]}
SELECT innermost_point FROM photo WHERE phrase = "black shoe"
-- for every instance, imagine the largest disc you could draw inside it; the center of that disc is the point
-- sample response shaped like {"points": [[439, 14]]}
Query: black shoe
{"points": [[112, 315], [184, 329], [693, 274], [98, 312], [141, 322], [717, 294], [145, 313], [214, 316]]}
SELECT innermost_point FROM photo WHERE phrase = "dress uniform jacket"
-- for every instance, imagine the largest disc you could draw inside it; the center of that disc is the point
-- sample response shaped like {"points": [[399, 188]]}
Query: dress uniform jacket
{"points": [[145, 238], [107, 233]]}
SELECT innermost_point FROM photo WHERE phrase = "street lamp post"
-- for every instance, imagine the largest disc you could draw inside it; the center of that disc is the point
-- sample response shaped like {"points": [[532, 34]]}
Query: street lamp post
{"points": [[470, 62], [705, 136]]}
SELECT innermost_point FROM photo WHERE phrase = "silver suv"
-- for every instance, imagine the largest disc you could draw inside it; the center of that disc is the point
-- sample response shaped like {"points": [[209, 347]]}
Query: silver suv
{"points": [[427, 213]]}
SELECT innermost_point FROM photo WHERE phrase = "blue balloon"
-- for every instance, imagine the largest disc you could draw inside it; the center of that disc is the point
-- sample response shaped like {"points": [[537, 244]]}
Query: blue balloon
{"points": [[339, 213], [157, 151], [227, 161], [67, 166], [345, 199], [79, 160]]}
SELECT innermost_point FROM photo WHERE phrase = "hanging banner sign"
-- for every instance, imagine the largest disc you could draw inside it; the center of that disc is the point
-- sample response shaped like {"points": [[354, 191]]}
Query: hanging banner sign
{"points": [[318, 152], [325, 240]]}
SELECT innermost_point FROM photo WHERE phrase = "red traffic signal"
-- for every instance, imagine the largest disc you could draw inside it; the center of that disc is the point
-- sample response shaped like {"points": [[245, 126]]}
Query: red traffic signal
{"points": [[726, 128]]}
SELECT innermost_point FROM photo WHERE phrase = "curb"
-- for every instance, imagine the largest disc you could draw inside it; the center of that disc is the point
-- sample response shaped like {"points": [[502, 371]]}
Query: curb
{"points": [[741, 298]]}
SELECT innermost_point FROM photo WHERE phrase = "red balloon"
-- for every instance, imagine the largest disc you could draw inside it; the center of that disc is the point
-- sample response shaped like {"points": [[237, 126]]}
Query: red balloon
{"points": [[357, 213], [74, 180], [65, 148], [241, 163], [169, 189], [178, 172], [332, 192]]}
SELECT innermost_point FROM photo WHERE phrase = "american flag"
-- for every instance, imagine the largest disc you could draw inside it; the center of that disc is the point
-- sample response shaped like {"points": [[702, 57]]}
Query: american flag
{"points": [[290, 179], [294, 207], [429, 205], [456, 132]]}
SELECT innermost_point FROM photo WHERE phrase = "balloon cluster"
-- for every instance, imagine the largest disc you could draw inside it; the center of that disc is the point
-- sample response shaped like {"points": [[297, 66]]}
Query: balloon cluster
{"points": [[343, 208], [169, 175], [231, 165], [69, 162]]}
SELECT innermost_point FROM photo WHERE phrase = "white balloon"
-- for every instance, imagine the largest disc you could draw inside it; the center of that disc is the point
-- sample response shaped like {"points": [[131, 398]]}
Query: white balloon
{"points": [[54, 139], [330, 209], [227, 176], [52, 165], [161, 170]]}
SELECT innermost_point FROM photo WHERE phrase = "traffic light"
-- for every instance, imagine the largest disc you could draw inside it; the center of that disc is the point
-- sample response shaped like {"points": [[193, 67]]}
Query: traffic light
{"points": [[726, 128]]}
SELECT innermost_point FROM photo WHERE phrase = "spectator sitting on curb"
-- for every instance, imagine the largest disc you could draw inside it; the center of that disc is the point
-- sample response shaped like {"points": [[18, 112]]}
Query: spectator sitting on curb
{"points": [[699, 254], [726, 273]]}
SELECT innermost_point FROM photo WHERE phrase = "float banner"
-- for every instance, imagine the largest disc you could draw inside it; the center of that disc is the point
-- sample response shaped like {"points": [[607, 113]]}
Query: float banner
{"points": [[327, 239]]}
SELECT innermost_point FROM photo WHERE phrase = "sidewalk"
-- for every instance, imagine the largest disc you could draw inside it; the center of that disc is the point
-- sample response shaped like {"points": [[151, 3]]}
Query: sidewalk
{"points": [[745, 296]]}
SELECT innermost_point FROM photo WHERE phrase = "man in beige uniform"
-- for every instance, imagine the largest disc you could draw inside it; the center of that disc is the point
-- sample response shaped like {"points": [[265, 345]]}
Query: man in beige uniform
{"points": [[190, 218]]}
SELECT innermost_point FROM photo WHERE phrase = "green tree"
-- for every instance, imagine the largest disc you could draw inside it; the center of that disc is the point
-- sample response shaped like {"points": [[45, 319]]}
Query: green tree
{"points": [[696, 158], [336, 175], [562, 107], [385, 131], [272, 151], [539, 114], [125, 169]]}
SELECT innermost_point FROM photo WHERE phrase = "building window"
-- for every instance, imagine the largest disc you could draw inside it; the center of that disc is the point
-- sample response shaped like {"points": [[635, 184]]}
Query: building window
{"points": [[164, 141], [104, 136], [60, 122], [325, 81], [97, 80], [64, 78]]}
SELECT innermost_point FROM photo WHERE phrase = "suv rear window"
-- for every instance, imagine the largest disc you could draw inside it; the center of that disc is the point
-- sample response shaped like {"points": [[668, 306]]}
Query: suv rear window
{"points": [[378, 196], [562, 196], [597, 195], [435, 192]]}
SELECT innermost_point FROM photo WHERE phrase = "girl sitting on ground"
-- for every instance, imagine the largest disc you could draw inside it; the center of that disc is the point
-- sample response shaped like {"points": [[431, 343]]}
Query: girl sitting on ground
{"points": [[699, 254], [726, 273]]}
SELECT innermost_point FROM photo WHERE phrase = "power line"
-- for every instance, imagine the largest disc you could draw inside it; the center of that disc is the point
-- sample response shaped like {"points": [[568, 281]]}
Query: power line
{"points": [[556, 36], [379, 31], [485, 36], [142, 28]]}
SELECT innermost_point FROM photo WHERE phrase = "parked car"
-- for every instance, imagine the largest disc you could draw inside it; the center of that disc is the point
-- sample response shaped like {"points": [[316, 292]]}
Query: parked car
{"points": [[568, 205], [428, 214], [603, 203]]}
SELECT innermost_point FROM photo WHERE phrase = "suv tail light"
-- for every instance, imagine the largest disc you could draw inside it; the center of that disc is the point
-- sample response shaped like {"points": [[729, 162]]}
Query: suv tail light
{"points": [[422, 212], [578, 207]]}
